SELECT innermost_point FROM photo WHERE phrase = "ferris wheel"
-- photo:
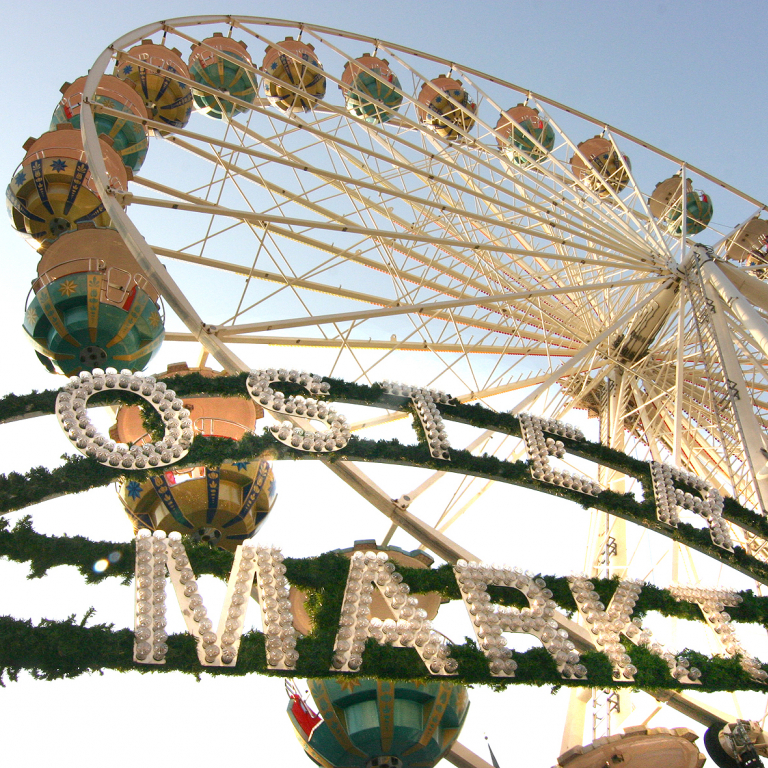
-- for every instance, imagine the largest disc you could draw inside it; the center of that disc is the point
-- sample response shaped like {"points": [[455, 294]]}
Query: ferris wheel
{"points": [[380, 210]]}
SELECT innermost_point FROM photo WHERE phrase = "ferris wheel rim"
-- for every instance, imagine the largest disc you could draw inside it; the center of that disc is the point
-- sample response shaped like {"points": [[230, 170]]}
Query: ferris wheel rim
{"points": [[197, 20]]}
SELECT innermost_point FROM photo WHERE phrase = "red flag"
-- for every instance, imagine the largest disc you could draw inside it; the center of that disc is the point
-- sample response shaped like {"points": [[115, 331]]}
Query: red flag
{"points": [[305, 717]]}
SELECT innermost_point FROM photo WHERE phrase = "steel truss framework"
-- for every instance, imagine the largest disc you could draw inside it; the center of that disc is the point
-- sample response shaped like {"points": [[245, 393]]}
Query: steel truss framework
{"points": [[518, 282]]}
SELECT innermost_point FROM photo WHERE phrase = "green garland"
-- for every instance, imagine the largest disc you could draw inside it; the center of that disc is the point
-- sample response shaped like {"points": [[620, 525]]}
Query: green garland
{"points": [[15, 407], [22, 544], [54, 650], [79, 474], [66, 649]]}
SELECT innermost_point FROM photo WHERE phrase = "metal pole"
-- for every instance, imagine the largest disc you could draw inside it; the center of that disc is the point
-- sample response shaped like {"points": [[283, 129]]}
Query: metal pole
{"points": [[753, 442], [737, 303], [679, 382]]}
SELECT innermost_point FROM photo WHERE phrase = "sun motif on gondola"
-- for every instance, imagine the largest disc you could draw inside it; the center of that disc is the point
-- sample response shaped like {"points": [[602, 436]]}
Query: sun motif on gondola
{"points": [[68, 287], [348, 684]]}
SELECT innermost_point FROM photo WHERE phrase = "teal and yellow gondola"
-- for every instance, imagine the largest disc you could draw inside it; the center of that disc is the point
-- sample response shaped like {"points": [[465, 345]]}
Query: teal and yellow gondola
{"points": [[210, 68], [362, 722], [523, 135], [372, 91], [293, 78], [53, 192], [446, 108], [666, 206], [149, 69], [600, 166], [92, 307], [129, 137], [222, 505]]}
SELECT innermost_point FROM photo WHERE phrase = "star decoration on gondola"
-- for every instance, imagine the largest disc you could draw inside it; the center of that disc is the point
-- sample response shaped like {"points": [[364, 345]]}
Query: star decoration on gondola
{"points": [[59, 165], [68, 287], [348, 684], [154, 319], [19, 178], [133, 489], [241, 465], [31, 316]]}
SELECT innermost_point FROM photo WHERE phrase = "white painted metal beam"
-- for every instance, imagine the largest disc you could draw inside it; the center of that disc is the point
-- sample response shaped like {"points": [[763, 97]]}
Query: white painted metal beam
{"points": [[753, 442], [462, 757], [751, 320], [307, 342], [427, 307], [393, 236]]}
